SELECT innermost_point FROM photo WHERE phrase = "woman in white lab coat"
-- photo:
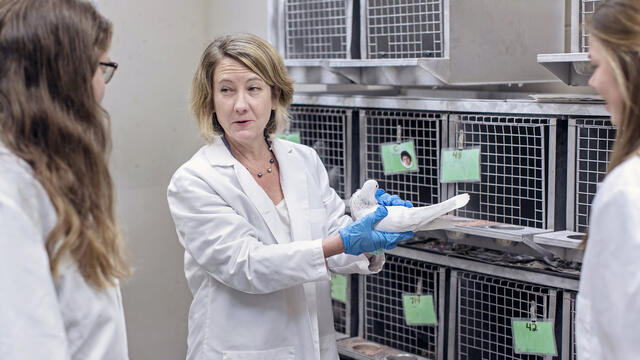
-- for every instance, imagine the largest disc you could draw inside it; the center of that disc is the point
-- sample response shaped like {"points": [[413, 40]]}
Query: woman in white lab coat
{"points": [[61, 255], [608, 304], [259, 223]]}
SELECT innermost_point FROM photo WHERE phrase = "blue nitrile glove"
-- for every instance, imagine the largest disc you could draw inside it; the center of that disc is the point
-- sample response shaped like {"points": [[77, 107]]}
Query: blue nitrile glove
{"points": [[359, 237], [391, 200]]}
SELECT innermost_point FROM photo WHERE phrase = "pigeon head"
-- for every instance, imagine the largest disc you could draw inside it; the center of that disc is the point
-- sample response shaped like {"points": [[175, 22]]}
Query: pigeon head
{"points": [[368, 191]]}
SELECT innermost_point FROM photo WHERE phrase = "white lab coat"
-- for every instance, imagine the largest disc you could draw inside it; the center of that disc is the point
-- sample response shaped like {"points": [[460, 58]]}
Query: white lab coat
{"points": [[255, 296], [41, 318], [608, 304]]}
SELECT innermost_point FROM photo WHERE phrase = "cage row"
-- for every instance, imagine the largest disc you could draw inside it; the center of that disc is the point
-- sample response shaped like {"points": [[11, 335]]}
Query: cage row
{"points": [[390, 29], [535, 171], [473, 313]]}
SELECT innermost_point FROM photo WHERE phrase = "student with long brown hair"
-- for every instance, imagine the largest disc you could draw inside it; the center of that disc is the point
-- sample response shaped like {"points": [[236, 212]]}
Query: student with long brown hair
{"points": [[608, 304], [61, 254]]}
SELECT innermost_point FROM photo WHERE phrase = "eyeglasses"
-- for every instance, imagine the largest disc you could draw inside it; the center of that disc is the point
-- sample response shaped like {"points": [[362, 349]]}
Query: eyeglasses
{"points": [[109, 70]]}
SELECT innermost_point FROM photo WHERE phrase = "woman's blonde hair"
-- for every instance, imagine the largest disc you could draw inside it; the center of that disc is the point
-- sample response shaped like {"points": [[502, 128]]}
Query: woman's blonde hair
{"points": [[49, 117], [616, 27], [258, 56]]}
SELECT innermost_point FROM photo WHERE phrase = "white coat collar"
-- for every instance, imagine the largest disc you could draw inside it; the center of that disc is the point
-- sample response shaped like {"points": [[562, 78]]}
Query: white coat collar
{"points": [[292, 179]]}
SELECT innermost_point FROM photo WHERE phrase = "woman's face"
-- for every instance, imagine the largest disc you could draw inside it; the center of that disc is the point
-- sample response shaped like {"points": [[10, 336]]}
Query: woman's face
{"points": [[98, 79], [604, 81], [242, 101]]}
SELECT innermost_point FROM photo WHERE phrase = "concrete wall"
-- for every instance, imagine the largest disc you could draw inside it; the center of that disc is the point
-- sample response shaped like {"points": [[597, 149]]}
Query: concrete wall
{"points": [[158, 45]]}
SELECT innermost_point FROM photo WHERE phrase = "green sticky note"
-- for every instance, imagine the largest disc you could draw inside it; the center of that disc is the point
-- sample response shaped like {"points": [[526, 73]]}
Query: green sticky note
{"points": [[533, 337], [460, 165], [293, 137], [419, 310], [398, 158], [339, 287]]}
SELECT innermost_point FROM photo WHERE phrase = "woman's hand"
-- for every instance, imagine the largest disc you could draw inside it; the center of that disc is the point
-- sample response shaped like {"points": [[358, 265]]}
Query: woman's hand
{"points": [[360, 237]]}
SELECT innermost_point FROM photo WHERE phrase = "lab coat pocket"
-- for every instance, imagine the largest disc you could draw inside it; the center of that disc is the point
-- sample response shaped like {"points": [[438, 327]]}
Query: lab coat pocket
{"points": [[318, 218], [284, 353]]}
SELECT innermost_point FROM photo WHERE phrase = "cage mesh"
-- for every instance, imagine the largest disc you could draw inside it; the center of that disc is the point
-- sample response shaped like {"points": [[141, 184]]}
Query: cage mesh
{"points": [[485, 307], [404, 29], [587, 7], [316, 29], [512, 164], [324, 129], [384, 320], [381, 126], [594, 145]]}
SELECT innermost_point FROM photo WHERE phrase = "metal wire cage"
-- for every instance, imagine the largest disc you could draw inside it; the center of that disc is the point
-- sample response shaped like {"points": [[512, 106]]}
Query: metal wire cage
{"points": [[404, 29], [587, 7], [590, 147], [517, 154], [383, 316], [326, 129], [383, 126], [341, 312], [484, 306], [316, 29]]}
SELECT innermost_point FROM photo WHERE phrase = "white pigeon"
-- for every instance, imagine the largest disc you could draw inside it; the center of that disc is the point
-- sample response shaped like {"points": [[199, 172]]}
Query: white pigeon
{"points": [[400, 218]]}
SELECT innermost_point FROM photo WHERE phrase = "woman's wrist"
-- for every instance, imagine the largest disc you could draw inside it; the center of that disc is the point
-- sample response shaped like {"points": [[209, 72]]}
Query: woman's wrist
{"points": [[332, 245]]}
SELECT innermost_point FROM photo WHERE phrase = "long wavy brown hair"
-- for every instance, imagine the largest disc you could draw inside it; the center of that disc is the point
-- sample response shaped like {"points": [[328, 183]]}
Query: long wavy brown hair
{"points": [[616, 26], [49, 117]]}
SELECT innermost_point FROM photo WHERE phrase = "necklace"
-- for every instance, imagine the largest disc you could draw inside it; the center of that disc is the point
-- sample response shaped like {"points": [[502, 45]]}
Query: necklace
{"points": [[271, 161]]}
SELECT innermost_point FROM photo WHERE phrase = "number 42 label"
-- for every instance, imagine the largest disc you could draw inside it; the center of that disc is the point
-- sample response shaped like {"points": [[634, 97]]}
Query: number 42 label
{"points": [[533, 337]]}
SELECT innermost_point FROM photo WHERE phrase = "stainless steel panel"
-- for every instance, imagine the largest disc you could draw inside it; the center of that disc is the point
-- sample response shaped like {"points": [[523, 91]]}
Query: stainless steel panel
{"points": [[459, 101], [384, 320]]}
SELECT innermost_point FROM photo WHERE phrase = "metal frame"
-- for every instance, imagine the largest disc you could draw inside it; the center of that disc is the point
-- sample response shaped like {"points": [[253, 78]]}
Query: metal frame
{"points": [[569, 325], [378, 126], [317, 29], [384, 291], [393, 29], [587, 7], [517, 161], [320, 130], [590, 144], [497, 300]]}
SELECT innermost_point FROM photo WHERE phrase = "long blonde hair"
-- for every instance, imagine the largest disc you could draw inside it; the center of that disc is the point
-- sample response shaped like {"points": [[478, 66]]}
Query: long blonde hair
{"points": [[49, 117], [616, 26], [258, 56]]}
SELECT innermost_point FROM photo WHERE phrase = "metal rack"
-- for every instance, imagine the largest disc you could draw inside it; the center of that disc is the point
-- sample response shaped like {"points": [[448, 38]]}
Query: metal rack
{"points": [[326, 129], [590, 145], [569, 325], [517, 159], [383, 318], [587, 7], [482, 307], [404, 29], [383, 126], [316, 29]]}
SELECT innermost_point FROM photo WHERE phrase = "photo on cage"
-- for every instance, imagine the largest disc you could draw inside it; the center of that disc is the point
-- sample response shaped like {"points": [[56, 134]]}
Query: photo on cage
{"points": [[399, 157]]}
